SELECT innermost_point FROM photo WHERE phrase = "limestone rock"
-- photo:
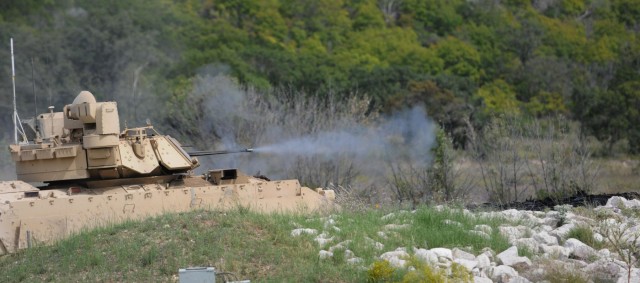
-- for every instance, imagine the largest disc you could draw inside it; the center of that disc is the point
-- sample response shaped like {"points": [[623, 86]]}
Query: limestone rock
{"points": [[484, 228], [396, 258], [300, 231], [325, 254], [478, 279], [555, 252], [502, 273], [544, 238], [562, 231], [579, 249], [468, 264], [510, 257], [458, 253], [426, 256], [604, 270], [483, 261], [443, 252], [528, 243], [452, 223], [513, 233]]}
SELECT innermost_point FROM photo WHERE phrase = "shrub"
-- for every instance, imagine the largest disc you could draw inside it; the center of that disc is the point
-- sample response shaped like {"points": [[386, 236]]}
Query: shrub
{"points": [[380, 271]]}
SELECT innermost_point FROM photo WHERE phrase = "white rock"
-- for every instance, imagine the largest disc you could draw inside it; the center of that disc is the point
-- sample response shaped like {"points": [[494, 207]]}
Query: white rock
{"points": [[481, 234], [300, 231], [483, 261], [528, 243], [577, 263], [579, 249], [444, 264], [478, 279], [325, 254], [341, 245], [396, 226], [323, 242], [452, 223], [538, 272], [468, 214], [550, 221], [426, 256], [604, 270], [355, 260], [323, 239], [562, 231], [458, 253], [539, 214], [604, 253], [502, 273], [329, 222], [546, 228], [519, 279], [624, 276], [510, 257], [484, 228], [598, 237], [399, 253], [488, 252], [555, 252], [476, 272], [397, 262], [349, 254], [633, 203], [443, 252], [468, 264], [514, 214], [546, 239], [382, 234], [396, 258], [388, 216], [513, 233], [616, 202]]}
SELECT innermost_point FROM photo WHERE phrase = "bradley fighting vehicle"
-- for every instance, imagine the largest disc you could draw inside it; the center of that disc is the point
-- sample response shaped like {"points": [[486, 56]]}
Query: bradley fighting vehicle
{"points": [[96, 174]]}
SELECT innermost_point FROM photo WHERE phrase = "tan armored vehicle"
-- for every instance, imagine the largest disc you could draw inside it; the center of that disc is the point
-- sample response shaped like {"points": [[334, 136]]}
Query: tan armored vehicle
{"points": [[96, 174]]}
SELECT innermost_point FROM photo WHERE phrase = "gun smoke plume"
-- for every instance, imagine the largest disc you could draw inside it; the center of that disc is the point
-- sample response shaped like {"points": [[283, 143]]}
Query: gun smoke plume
{"points": [[317, 140]]}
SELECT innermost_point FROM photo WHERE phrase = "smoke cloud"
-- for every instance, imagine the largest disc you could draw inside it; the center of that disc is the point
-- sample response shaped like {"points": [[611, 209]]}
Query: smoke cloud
{"points": [[316, 140]]}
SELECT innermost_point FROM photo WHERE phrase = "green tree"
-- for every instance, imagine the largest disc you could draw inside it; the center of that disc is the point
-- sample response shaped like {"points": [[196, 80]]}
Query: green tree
{"points": [[499, 98]]}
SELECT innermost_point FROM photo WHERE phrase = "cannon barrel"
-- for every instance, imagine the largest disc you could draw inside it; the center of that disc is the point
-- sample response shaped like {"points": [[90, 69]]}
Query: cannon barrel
{"points": [[218, 152]]}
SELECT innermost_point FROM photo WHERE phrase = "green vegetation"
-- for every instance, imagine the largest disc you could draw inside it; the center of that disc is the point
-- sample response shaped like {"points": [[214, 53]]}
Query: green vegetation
{"points": [[585, 235], [250, 245], [382, 271], [463, 59]]}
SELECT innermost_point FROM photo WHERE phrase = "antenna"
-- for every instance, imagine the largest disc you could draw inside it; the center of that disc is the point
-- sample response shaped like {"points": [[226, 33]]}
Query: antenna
{"points": [[35, 97], [17, 124]]}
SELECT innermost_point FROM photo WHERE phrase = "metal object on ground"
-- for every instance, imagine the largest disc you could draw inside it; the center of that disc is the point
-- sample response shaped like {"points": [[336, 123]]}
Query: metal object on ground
{"points": [[98, 175], [197, 275]]}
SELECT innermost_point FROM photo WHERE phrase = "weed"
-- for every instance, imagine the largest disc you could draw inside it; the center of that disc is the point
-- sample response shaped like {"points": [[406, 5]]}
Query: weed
{"points": [[380, 271], [625, 241], [584, 234], [526, 252]]}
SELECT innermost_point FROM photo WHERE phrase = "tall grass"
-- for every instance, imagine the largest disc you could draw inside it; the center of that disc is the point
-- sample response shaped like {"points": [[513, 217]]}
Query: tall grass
{"points": [[253, 246]]}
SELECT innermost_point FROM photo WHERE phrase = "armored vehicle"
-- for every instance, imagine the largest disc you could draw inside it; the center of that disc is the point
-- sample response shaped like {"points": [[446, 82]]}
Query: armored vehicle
{"points": [[91, 174]]}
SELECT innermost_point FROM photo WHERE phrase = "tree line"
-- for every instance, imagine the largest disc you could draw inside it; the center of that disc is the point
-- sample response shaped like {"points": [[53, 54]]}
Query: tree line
{"points": [[466, 61]]}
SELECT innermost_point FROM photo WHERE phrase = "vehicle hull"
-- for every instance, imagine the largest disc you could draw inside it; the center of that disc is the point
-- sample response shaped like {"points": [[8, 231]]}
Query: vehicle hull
{"points": [[30, 216]]}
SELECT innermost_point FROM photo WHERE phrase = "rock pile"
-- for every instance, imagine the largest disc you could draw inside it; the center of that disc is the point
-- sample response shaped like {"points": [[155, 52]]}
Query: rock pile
{"points": [[541, 237]]}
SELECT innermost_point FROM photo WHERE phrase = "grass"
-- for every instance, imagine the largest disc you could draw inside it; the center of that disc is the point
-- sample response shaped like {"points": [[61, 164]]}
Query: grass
{"points": [[253, 246]]}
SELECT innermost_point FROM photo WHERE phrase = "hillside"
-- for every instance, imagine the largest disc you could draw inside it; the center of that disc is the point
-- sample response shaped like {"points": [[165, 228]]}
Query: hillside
{"points": [[574, 244], [462, 59]]}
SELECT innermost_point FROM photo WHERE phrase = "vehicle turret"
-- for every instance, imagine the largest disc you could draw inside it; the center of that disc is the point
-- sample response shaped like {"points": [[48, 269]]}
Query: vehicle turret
{"points": [[84, 143]]}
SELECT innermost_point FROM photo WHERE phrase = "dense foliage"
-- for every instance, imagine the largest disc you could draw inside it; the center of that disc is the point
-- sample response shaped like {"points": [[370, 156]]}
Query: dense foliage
{"points": [[465, 60]]}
